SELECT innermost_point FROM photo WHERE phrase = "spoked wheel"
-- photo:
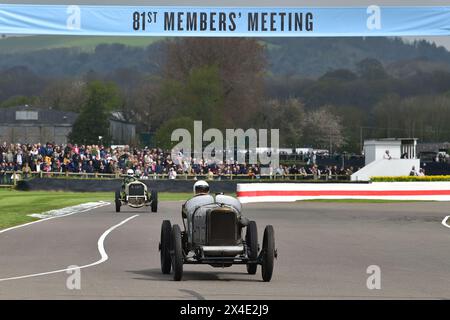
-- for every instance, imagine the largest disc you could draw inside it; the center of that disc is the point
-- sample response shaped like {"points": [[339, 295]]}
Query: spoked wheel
{"points": [[117, 201], [268, 253], [164, 247], [177, 253], [251, 239], [154, 197]]}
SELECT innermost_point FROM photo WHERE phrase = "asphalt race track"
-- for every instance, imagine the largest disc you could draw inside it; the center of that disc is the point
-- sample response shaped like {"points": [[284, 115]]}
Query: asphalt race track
{"points": [[324, 251]]}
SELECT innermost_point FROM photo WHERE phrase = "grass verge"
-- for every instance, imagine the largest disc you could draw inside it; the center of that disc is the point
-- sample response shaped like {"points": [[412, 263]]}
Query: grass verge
{"points": [[15, 206]]}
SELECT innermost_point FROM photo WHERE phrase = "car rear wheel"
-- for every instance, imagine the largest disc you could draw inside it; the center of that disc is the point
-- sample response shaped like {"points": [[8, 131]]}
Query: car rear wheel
{"points": [[154, 197], [177, 253], [117, 201], [268, 253], [164, 247], [251, 239]]}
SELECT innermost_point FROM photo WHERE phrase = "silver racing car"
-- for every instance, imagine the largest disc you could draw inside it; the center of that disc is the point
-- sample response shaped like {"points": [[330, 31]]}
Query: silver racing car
{"points": [[213, 235]]}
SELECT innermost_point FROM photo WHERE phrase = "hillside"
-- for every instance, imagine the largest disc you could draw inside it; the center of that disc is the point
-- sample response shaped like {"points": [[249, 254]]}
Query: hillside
{"points": [[321, 83], [312, 57], [21, 45], [298, 57]]}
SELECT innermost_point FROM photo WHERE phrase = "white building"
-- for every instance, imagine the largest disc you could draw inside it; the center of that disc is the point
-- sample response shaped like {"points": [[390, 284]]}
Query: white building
{"points": [[388, 157]]}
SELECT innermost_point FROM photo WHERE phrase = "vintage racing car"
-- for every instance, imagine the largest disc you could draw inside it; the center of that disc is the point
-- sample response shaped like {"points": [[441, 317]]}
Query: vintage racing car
{"points": [[213, 235], [136, 195]]}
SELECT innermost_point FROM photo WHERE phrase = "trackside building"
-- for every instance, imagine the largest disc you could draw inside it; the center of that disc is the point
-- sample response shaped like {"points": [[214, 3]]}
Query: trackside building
{"points": [[26, 124]]}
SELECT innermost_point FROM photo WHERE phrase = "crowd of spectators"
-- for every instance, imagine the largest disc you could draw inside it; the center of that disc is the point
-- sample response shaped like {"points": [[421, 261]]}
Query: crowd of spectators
{"points": [[146, 162]]}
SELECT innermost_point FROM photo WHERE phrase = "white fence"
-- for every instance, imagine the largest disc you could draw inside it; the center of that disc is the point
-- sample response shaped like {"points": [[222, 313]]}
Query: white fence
{"points": [[284, 192]]}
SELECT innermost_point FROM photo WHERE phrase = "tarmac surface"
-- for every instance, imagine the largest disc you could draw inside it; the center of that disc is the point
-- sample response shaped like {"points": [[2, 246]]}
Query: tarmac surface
{"points": [[324, 250]]}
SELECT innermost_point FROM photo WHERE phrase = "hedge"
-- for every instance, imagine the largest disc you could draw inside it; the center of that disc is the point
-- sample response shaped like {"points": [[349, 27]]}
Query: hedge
{"points": [[410, 179]]}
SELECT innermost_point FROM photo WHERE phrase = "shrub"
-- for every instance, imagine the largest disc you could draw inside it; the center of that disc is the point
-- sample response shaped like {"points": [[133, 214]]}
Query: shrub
{"points": [[410, 179]]}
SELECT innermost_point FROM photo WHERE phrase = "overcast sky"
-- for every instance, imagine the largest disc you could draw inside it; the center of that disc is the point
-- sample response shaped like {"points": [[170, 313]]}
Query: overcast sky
{"points": [[445, 41]]}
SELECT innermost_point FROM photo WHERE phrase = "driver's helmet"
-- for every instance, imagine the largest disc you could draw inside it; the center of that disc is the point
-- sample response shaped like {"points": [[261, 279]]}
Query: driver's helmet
{"points": [[201, 187], [130, 172]]}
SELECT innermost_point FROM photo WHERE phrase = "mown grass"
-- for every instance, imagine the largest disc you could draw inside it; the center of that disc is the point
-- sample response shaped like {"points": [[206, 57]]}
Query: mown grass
{"points": [[85, 43], [15, 206]]}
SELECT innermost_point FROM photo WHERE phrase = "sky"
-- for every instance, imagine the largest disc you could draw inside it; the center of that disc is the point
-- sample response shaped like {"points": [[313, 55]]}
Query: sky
{"points": [[443, 41]]}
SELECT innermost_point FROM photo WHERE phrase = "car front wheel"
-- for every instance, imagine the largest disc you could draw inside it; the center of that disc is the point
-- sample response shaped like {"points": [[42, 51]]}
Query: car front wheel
{"points": [[268, 253], [164, 247], [251, 239], [177, 253], [154, 198], [118, 202]]}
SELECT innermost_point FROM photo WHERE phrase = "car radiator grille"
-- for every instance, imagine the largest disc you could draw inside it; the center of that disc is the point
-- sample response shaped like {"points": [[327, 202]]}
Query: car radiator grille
{"points": [[222, 229], [136, 190]]}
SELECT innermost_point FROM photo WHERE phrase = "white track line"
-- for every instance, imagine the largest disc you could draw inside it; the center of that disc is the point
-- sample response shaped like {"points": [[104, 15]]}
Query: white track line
{"points": [[101, 249], [101, 204], [444, 222]]}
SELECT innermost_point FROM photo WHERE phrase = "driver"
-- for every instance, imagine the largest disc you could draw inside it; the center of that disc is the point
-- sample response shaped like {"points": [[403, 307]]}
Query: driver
{"points": [[128, 178], [202, 197], [201, 188]]}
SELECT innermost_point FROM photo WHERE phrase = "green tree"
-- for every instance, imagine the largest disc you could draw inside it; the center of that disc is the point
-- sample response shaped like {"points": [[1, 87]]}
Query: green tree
{"points": [[240, 64], [93, 121], [371, 69], [164, 133], [64, 94], [353, 121], [288, 116], [200, 97], [20, 101], [203, 96]]}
